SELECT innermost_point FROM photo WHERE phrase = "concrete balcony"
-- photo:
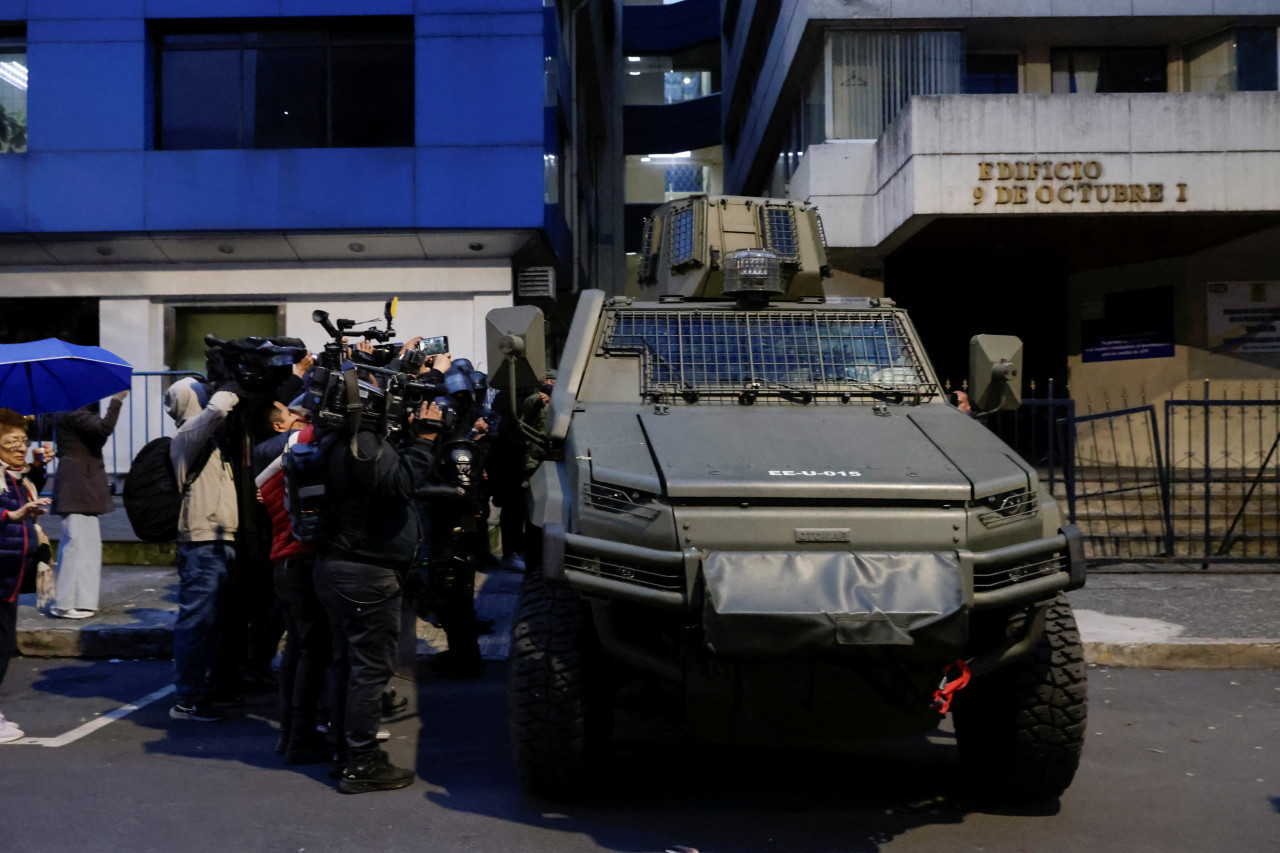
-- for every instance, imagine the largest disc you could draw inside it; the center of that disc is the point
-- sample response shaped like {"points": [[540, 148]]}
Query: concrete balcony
{"points": [[665, 128], [1019, 156]]}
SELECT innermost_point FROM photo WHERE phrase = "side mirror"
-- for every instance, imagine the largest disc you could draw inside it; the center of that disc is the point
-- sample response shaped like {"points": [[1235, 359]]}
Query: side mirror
{"points": [[995, 373], [516, 348]]}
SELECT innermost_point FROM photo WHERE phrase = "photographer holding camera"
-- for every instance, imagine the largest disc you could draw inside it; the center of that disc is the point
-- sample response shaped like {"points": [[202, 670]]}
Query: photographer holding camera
{"points": [[207, 527], [374, 532], [206, 451]]}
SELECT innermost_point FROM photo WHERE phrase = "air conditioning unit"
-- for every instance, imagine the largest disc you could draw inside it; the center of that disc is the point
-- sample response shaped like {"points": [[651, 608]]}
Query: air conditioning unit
{"points": [[536, 283]]}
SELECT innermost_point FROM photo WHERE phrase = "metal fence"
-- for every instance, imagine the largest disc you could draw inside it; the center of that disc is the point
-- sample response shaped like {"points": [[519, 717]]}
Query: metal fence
{"points": [[1196, 483], [1224, 478], [1117, 490], [142, 418]]}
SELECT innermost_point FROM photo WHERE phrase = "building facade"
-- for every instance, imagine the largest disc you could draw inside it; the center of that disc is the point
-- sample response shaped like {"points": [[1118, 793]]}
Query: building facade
{"points": [[1099, 178], [175, 167]]}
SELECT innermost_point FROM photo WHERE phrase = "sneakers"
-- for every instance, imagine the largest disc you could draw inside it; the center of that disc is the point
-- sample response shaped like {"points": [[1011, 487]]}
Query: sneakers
{"points": [[197, 713], [375, 773], [9, 732], [72, 613], [383, 735]]}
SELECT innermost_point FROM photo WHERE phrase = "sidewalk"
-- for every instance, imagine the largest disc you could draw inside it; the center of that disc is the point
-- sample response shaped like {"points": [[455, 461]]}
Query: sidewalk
{"points": [[1166, 620]]}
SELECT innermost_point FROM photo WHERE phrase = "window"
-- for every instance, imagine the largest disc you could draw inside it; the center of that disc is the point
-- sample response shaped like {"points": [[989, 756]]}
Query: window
{"points": [[685, 237], [336, 83], [13, 94], [654, 80], [1097, 71], [778, 226], [712, 352], [991, 74], [1241, 60], [874, 75]]}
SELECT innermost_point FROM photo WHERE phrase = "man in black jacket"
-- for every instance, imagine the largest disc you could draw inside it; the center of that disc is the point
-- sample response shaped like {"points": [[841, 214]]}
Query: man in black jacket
{"points": [[375, 532]]}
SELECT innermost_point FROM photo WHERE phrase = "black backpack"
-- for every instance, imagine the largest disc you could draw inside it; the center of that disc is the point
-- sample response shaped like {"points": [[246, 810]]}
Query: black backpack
{"points": [[152, 497]]}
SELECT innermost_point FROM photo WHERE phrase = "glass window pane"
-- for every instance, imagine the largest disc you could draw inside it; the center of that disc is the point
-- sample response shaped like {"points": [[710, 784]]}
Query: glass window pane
{"points": [[287, 87], [1138, 70], [13, 100], [295, 83], [1256, 59], [199, 99], [373, 95], [991, 74], [874, 75], [1091, 71], [286, 38]]}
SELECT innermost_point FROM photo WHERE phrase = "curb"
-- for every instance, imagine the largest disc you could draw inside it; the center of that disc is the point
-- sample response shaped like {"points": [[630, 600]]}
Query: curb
{"points": [[1187, 654], [97, 641]]}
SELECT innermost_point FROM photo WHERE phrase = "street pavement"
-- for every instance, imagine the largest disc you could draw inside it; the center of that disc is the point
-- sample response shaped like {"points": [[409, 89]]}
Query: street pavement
{"points": [[1174, 762]]}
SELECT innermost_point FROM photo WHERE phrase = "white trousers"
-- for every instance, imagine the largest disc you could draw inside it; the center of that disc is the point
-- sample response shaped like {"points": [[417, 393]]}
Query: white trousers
{"points": [[79, 563]]}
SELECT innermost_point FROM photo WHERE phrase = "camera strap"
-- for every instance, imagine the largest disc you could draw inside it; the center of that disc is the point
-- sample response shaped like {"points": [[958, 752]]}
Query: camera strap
{"points": [[194, 472]]}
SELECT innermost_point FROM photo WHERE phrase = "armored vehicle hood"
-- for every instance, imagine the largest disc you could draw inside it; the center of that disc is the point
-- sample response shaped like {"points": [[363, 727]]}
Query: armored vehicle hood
{"points": [[915, 453]]}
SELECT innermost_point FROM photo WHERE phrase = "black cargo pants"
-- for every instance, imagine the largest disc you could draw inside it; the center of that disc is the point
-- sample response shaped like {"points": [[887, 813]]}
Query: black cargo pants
{"points": [[363, 602]]}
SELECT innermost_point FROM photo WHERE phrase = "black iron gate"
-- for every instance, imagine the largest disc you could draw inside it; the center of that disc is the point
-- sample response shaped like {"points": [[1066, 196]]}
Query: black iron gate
{"points": [[1199, 485], [1117, 492], [1224, 479]]}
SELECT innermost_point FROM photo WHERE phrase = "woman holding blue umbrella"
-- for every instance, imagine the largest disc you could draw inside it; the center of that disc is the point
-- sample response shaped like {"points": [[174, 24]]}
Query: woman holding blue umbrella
{"points": [[80, 495], [20, 506]]}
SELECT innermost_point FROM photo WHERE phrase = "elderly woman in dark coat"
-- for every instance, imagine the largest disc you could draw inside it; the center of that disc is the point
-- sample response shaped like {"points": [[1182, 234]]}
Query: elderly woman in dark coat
{"points": [[20, 506], [80, 495]]}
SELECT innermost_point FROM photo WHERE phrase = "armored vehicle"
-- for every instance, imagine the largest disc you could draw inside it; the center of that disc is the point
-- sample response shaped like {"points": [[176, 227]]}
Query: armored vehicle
{"points": [[759, 507]]}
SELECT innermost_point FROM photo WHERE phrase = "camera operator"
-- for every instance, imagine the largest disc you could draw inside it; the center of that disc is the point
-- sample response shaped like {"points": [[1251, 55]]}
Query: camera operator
{"points": [[359, 573], [207, 527]]}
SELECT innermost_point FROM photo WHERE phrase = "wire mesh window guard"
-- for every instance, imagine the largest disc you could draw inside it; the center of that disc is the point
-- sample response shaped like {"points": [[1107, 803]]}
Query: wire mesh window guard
{"points": [[778, 225], [647, 271], [684, 237], [835, 355]]}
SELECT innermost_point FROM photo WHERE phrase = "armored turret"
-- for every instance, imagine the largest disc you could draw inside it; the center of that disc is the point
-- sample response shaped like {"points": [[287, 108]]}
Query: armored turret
{"points": [[687, 244]]}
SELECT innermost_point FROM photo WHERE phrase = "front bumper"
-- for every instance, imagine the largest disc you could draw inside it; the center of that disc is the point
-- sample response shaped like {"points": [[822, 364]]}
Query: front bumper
{"points": [[1011, 576]]}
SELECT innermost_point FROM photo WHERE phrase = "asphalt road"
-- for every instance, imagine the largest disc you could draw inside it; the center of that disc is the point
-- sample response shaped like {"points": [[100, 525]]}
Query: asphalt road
{"points": [[1174, 761]]}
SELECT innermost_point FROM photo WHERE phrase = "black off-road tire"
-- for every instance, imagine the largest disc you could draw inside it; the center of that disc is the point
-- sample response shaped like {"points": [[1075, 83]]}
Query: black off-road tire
{"points": [[559, 714], [1020, 729]]}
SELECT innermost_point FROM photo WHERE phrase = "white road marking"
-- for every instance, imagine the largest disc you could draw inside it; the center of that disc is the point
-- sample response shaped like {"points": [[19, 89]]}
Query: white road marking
{"points": [[93, 725]]}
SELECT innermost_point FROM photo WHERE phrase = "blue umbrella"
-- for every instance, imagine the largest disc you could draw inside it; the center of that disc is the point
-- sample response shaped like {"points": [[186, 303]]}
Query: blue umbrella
{"points": [[54, 376]]}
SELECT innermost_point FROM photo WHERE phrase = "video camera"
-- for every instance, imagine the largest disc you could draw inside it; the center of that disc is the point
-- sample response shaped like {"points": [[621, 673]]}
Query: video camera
{"points": [[383, 396], [259, 365]]}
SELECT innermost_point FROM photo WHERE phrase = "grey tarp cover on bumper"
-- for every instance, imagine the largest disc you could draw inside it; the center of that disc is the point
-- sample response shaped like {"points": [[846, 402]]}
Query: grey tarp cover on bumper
{"points": [[779, 603]]}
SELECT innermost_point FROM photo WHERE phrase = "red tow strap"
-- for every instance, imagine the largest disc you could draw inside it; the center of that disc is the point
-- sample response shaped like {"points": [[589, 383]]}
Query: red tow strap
{"points": [[947, 689]]}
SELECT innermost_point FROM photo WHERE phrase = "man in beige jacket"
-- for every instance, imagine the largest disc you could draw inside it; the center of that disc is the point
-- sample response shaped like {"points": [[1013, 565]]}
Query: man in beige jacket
{"points": [[206, 538]]}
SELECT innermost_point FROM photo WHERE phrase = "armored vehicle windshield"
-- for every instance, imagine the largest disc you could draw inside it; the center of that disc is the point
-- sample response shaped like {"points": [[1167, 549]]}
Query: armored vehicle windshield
{"points": [[719, 354]]}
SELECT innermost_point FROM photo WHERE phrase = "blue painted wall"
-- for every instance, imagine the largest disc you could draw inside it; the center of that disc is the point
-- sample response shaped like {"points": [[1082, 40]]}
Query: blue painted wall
{"points": [[478, 143]]}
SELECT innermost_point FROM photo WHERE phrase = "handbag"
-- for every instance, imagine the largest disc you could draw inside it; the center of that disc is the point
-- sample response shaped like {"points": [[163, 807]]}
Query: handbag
{"points": [[44, 574]]}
